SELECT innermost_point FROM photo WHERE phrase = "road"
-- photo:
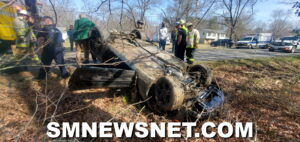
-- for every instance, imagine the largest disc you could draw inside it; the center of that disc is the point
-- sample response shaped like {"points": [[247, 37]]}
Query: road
{"points": [[219, 53]]}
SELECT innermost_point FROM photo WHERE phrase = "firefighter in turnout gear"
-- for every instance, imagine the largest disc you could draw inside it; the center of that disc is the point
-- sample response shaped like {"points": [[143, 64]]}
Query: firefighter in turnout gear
{"points": [[182, 22], [193, 38], [24, 35]]}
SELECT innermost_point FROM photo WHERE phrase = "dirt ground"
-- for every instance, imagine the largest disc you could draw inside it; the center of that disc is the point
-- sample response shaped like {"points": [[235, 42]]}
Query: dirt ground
{"points": [[264, 91]]}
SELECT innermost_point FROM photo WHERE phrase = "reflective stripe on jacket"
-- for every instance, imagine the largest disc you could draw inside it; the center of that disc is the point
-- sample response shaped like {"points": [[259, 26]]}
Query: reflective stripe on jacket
{"points": [[23, 32], [193, 38]]}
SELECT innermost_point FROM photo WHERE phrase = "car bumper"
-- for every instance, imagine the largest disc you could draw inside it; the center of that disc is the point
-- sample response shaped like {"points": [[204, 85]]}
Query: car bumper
{"points": [[242, 46], [281, 49]]}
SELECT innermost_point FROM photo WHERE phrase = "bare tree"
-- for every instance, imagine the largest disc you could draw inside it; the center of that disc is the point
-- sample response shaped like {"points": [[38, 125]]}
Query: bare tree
{"points": [[245, 27], [280, 25], [296, 6], [190, 10], [65, 13], [8, 4], [137, 9], [260, 27], [233, 10]]}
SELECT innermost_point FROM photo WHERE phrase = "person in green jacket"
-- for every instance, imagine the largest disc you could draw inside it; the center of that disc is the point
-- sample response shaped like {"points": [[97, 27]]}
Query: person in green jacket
{"points": [[82, 28]]}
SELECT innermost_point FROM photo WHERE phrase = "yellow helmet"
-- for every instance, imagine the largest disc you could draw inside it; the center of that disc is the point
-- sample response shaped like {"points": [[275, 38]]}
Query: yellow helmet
{"points": [[181, 22], [189, 24]]}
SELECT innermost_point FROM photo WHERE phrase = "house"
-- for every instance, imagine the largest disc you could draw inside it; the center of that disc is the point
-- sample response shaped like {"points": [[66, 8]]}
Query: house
{"points": [[209, 35]]}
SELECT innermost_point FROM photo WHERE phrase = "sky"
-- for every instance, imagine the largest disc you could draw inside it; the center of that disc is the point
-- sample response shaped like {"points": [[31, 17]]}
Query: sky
{"points": [[263, 10]]}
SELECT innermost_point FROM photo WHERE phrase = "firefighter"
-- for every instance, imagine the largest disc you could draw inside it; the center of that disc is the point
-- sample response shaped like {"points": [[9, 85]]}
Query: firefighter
{"points": [[192, 43], [24, 35], [51, 38], [182, 22], [180, 41]]}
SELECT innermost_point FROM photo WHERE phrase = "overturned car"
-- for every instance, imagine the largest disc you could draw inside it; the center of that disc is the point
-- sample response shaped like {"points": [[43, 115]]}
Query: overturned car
{"points": [[164, 82]]}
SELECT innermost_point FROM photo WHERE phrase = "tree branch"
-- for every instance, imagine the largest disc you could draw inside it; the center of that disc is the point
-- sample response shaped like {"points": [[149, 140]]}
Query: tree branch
{"points": [[7, 5]]}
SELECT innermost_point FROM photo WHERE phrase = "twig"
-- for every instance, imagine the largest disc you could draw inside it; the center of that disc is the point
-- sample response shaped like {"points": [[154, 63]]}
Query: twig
{"points": [[56, 106], [7, 5], [54, 11], [46, 94], [31, 119], [100, 5], [60, 65], [59, 115], [140, 102], [138, 115]]}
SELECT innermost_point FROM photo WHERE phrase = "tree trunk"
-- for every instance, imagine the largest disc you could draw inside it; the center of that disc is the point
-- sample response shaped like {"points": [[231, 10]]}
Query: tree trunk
{"points": [[231, 32]]}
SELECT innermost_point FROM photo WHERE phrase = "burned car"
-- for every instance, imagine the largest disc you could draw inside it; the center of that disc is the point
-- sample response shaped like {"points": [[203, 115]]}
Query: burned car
{"points": [[163, 81]]}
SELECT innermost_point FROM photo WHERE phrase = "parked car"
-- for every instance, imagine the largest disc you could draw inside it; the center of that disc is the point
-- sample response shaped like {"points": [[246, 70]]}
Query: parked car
{"points": [[222, 42], [282, 46], [260, 40], [293, 39]]}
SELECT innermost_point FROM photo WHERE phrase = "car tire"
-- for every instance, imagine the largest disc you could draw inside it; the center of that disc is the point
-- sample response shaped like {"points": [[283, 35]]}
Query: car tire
{"points": [[206, 75], [169, 95], [293, 50], [271, 50]]}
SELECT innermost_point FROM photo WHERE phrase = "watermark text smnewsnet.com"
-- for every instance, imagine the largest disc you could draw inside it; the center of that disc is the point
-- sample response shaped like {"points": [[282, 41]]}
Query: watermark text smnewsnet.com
{"points": [[143, 130]]}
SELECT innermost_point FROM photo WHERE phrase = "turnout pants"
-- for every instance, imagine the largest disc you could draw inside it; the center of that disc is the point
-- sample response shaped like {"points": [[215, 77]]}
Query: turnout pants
{"points": [[190, 55], [58, 57], [179, 51]]}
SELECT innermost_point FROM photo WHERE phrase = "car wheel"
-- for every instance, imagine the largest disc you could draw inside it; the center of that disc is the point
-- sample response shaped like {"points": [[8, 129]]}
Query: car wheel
{"points": [[271, 50], [293, 50], [169, 95], [202, 74]]}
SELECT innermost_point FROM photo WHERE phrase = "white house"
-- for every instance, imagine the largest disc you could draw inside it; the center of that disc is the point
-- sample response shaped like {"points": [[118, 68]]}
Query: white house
{"points": [[209, 35]]}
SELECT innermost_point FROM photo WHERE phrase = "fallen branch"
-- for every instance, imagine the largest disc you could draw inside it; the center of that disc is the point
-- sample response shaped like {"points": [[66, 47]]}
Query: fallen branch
{"points": [[7, 5]]}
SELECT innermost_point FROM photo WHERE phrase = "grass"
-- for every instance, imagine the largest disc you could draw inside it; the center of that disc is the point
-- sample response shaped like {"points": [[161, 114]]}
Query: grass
{"points": [[262, 90], [253, 62]]}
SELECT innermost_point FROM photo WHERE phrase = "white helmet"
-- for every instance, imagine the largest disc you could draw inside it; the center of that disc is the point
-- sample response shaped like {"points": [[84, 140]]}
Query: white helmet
{"points": [[23, 12]]}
